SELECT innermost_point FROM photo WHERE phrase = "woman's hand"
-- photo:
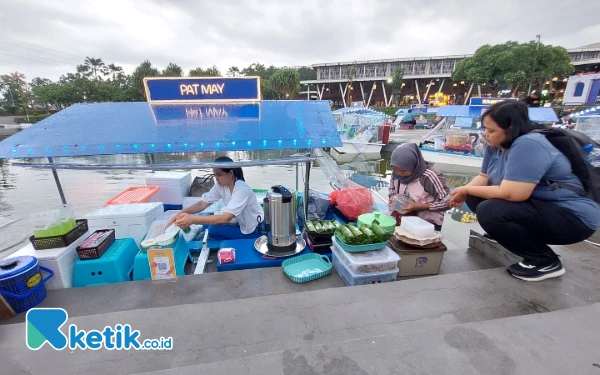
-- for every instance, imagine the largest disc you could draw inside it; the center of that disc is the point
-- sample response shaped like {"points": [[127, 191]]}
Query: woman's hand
{"points": [[184, 220], [173, 218], [411, 206], [458, 197]]}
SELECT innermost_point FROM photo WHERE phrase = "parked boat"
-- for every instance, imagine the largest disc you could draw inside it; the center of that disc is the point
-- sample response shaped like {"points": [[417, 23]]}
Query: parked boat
{"points": [[457, 140], [361, 131]]}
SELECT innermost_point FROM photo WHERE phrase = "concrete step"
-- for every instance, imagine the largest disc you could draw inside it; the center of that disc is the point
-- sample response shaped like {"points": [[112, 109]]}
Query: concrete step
{"points": [[208, 332], [214, 287], [562, 342]]}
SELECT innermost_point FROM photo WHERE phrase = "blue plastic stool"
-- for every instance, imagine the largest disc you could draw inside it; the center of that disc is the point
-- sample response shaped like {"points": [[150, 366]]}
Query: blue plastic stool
{"points": [[141, 268], [112, 267]]}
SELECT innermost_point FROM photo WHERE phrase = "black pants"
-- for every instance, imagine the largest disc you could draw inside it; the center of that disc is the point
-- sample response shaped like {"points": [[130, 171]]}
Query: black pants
{"points": [[527, 228]]}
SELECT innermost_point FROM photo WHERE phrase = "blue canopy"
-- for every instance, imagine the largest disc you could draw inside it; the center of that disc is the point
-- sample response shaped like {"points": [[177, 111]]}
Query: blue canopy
{"points": [[133, 128], [535, 114], [360, 111]]}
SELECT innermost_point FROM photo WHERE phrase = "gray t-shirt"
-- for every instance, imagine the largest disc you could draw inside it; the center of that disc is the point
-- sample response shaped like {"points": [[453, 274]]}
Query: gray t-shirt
{"points": [[533, 159]]}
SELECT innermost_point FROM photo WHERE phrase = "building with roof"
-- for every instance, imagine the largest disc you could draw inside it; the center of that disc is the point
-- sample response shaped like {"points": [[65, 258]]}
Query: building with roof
{"points": [[426, 79]]}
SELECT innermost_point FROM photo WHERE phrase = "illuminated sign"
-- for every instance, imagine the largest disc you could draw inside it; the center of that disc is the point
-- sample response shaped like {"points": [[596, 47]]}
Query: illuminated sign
{"points": [[489, 101], [419, 108], [165, 90]]}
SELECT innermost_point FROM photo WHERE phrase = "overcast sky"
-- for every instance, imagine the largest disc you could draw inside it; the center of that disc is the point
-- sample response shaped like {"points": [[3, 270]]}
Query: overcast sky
{"points": [[48, 38]]}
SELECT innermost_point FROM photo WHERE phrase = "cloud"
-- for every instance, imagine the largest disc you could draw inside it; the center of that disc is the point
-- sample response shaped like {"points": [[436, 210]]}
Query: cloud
{"points": [[48, 38]]}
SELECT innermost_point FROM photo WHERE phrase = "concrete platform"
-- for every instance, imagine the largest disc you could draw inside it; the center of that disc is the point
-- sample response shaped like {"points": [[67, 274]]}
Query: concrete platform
{"points": [[187, 290], [540, 344], [257, 329]]}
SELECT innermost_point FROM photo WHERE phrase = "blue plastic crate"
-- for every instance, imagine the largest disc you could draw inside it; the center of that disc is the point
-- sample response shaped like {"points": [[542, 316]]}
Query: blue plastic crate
{"points": [[112, 267], [141, 268]]}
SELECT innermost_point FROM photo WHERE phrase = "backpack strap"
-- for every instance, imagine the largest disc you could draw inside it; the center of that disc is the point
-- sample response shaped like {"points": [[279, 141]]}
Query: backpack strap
{"points": [[555, 185]]}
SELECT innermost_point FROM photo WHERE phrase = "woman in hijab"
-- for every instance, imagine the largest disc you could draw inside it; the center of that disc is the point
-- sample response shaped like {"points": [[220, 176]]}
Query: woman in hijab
{"points": [[422, 188]]}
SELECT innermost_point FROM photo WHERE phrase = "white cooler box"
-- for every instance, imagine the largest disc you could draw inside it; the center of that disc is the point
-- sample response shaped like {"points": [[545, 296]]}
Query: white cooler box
{"points": [[128, 220], [60, 260], [174, 186]]}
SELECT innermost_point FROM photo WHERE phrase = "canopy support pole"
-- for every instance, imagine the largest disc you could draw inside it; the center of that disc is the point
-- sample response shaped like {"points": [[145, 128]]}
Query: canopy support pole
{"points": [[305, 198], [297, 176], [427, 92], [343, 91], [418, 92], [57, 181], [441, 85], [384, 93], [371, 94], [468, 95], [362, 90]]}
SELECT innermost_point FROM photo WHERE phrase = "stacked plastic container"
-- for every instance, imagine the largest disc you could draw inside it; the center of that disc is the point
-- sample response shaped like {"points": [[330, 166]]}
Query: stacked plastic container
{"points": [[417, 260], [369, 267]]}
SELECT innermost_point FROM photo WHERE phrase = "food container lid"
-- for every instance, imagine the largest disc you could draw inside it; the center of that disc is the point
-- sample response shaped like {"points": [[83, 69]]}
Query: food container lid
{"points": [[385, 221], [13, 266], [368, 257]]}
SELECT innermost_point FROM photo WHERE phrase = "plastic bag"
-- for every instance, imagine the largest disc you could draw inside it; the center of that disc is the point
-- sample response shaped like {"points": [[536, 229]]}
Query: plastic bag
{"points": [[352, 201], [202, 185], [319, 206]]}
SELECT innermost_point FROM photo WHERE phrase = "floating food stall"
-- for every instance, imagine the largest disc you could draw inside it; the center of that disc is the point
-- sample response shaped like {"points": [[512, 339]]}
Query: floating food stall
{"points": [[457, 141], [128, 238]]}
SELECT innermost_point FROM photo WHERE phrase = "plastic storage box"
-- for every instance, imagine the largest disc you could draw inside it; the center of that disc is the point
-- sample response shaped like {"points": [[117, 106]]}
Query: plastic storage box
{"points": [[60, 260], [136, 194], [367, 262], [417, 226], [351, 279], [174, 186], [128, 220]]}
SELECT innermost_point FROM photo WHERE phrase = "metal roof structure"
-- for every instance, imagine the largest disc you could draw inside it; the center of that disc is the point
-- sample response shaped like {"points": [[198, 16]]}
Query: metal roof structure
{"points": [[535, 114], [136, 128]]}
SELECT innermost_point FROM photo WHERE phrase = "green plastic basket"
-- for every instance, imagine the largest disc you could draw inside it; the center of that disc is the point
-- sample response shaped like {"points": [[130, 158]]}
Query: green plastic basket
{"points": [[358, 248], [295, 266]]}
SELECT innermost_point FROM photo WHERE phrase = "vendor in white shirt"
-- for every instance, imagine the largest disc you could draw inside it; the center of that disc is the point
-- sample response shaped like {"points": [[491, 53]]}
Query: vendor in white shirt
{"points": [[240, 217]]}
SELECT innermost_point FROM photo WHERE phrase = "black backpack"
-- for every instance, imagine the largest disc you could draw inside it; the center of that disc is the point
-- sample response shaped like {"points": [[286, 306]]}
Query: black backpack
{"points": [[571, 143]]}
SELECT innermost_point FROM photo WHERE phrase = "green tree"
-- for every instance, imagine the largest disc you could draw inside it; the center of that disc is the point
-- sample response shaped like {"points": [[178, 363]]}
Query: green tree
{"points": [[396, 81], [307, 73], [115, 71], [350, 75], [16, 94], [266, 90], [286, 83], [34, 85], [260, 70], [95, 66], [213, 71], [397, 78], [234, 71], [511, 64], [172, 70], [145, 69]]}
